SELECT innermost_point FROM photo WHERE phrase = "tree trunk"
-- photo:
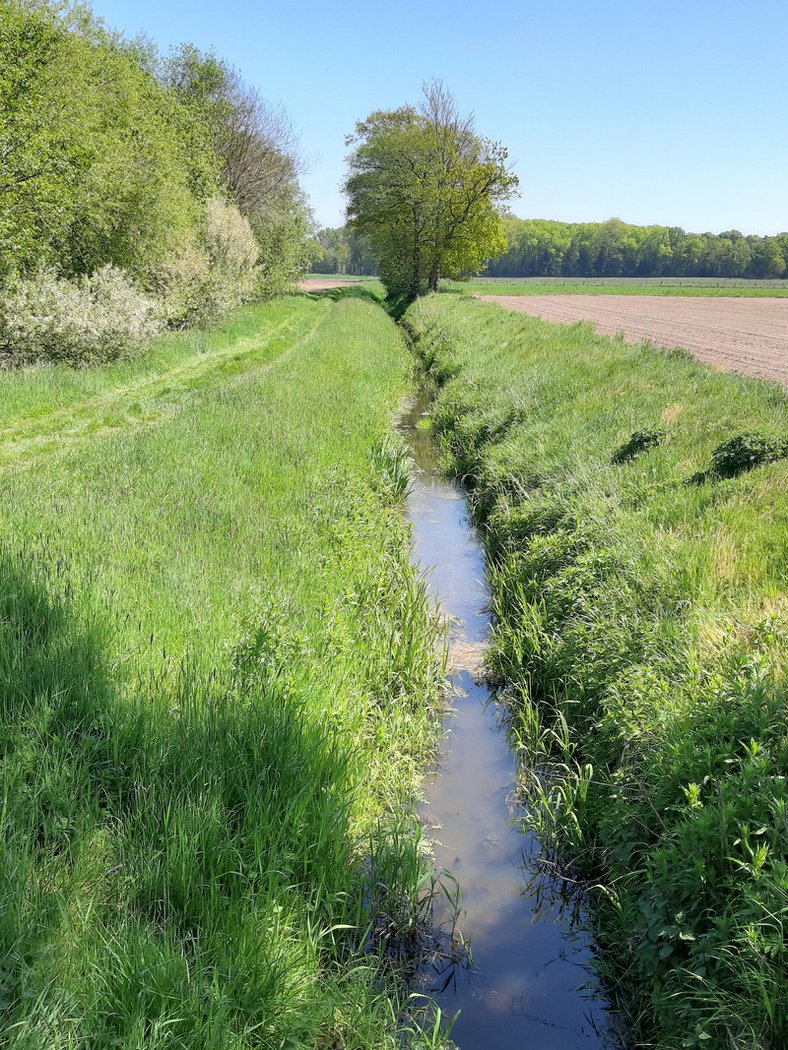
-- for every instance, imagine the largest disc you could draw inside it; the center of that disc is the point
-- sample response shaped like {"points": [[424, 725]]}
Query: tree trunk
{"points": [[435, 276], [415, 273]]}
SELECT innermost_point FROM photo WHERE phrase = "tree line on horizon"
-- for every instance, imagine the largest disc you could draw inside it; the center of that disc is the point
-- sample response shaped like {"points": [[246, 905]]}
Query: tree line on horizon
{"points": [[341, 250], [546, 248], [549, 248]]}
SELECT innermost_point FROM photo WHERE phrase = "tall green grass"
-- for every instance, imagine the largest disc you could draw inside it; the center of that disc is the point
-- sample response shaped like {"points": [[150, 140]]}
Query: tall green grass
{"points": [[219, 683], [635, 509]]}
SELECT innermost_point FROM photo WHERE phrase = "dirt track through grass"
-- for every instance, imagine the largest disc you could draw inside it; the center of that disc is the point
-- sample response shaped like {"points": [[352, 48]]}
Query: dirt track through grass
{"points": [[153, 397], [324, 285], [218, 673], [737, 335]]}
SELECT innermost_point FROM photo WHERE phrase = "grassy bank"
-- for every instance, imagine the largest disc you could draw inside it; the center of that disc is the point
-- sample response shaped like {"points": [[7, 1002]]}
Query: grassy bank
{"points": [[218, 668], [639, 573], [619, 286]]}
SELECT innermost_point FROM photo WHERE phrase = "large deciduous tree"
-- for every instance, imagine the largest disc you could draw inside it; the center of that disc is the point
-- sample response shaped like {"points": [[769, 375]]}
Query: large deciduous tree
{"points": [[254, 140], [256, 147], [424, 188], [111, 155]]}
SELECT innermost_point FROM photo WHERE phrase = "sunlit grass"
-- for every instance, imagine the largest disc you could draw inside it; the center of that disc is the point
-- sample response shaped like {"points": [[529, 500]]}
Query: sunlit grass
{"points": [[219, 679], [642, 633]]}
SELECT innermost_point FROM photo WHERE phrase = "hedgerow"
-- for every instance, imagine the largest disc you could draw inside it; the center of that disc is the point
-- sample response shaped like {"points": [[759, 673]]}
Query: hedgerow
{"points": [[172, 171]]}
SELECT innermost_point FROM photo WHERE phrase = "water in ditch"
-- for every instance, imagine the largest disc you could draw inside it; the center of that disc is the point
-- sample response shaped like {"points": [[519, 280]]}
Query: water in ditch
{"points": [[528, 983]]}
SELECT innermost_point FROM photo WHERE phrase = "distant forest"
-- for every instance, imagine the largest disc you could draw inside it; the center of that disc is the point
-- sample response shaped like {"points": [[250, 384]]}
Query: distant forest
{"points": [[343, 251], [545, 248]]}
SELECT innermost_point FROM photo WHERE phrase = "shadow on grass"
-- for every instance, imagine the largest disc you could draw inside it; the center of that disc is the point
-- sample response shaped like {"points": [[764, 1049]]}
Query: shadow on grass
{"points": [[155, 845], [353, 291]]}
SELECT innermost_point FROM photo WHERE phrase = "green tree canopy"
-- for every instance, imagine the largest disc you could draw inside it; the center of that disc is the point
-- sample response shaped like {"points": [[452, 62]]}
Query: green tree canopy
{"points": [[259, 165], [341, 250], [542, 248], [423, 189], [111, 155], [100, 163]]}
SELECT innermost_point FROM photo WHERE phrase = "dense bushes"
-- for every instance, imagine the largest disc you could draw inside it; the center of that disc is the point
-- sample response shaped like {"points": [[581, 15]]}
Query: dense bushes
{"points": [[206, 279], [641, 632], [173, 172], [106, 166], [82, 321]]}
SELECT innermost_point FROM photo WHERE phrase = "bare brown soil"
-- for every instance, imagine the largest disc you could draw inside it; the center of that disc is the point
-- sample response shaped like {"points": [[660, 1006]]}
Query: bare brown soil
{"points": [[322, 285], [738, 335]]}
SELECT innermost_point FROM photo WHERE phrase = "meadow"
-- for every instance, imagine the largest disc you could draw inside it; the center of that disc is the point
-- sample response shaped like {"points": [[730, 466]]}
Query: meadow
{"points": [[633, 505], [221, 677], [220, 683], [690, 286]]}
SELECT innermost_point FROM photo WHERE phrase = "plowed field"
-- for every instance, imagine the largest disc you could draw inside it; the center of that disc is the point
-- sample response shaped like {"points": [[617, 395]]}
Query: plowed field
{"points": [[739, 335]]}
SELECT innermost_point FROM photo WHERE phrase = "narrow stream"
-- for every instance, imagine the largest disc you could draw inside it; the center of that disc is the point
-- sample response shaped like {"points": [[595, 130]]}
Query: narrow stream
{"points": [[528, 984]]}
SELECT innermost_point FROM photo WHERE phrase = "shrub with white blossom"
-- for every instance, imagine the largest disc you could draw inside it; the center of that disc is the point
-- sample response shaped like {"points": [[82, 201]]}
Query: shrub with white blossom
{"points": [[201, 282], [183, 285], [81, 321], [231, 246]]}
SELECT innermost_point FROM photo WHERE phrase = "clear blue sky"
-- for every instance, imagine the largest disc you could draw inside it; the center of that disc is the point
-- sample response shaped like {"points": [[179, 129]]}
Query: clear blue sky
{"points": [[665, 111]]}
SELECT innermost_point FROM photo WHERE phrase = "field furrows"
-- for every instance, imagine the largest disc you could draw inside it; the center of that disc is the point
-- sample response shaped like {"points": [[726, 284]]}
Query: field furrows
{"points": [[737, 335]]}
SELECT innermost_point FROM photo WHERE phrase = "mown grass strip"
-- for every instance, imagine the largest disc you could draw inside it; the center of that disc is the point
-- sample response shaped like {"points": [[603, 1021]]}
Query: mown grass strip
{"points": [[218, 681], [45, 407], [635, 512]]}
